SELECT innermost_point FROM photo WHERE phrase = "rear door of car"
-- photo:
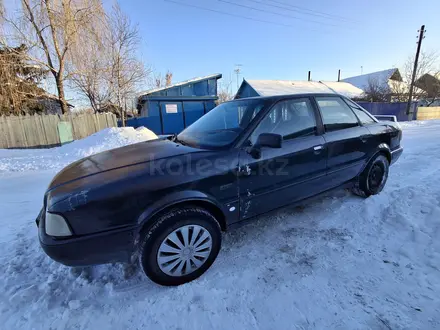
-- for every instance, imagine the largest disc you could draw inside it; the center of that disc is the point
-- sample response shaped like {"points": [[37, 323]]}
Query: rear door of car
{"points": [[381, 132], [287, 174], [348, 143]]}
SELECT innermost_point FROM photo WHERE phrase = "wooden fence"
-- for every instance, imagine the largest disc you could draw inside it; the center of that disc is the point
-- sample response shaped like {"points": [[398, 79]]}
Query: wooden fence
{"points": [[424, 113], [42, 131]]}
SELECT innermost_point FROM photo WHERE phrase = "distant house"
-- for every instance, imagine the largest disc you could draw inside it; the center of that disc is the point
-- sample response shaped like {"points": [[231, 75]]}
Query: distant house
{"points": [[250, 88], [384, 80], [50, 104], [430, 83], [390, 82], [386, 84]]}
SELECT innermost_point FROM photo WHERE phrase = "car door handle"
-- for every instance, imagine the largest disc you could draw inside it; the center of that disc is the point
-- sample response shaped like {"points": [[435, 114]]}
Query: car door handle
{"points": [[318, 149], [364, 138]]}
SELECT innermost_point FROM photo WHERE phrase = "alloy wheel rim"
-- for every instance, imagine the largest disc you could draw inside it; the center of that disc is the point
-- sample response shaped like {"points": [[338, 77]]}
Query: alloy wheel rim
{"points": [[184, 250], [376, 176]]}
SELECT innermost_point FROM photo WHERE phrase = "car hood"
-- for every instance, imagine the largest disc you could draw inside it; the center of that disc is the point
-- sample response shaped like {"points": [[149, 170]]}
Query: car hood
{"points": [[121, 157]]}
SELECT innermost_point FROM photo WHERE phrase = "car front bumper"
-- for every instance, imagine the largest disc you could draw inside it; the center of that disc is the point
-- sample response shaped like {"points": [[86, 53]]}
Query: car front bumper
{"points": [[115, 245], [395, 154]]}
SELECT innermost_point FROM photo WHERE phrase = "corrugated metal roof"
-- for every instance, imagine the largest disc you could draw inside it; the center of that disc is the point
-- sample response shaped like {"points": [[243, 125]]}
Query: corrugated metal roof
{"points": [[285, 87], [189, 81], [380, 78]]}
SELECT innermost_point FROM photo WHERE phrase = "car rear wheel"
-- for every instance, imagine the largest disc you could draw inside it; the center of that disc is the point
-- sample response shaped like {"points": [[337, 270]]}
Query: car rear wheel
{"points": [[373, 178], [180, 246]]}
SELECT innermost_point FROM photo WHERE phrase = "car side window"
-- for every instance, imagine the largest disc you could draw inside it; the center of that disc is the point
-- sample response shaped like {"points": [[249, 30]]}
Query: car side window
{"points": [[364, 117], [290, 118], [336, 114]]}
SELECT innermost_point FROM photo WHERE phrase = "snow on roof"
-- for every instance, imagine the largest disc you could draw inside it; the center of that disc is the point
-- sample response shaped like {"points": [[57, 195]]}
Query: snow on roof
{"points": [[380, 77], [283, 87], [189, 81], [344, 88]]}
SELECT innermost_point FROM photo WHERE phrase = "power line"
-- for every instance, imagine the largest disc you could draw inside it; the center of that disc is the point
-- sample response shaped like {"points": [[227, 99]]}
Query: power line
{"points": [[229, 14], [308, 10], [302, 11], [275, 13]]}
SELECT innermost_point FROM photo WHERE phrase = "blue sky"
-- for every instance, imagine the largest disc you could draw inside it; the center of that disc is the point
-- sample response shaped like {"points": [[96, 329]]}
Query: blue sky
{"points": [[375, 34], [345, 34]]}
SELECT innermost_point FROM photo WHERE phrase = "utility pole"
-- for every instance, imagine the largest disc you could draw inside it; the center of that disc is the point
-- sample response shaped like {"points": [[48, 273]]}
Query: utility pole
{"points": [[230, 83], [237, 72], [309, 77], [416, 62], [339, 75]]}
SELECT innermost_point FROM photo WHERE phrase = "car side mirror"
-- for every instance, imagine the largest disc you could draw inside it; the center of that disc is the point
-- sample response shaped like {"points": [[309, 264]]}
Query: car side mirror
{"points": [[269, 140]]}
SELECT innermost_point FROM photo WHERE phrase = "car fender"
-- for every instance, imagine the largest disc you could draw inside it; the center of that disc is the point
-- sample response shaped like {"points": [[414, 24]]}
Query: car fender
{"points": [[173, 199], [384, 148]]}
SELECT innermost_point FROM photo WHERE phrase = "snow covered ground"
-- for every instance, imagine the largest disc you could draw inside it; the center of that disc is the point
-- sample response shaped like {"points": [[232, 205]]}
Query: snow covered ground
{"points": [[340, 262]]}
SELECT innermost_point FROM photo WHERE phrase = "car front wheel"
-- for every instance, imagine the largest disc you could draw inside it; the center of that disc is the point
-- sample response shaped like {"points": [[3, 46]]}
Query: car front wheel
{"points": [[180, 246]]}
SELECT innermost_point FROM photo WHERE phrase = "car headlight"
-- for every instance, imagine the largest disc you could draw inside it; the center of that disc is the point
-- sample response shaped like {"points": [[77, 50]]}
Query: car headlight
{"points": [[56, 225]]}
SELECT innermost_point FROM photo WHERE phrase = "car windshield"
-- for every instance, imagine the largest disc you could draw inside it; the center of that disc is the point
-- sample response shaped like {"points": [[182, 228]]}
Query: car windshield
{"points": [[222, 125]]}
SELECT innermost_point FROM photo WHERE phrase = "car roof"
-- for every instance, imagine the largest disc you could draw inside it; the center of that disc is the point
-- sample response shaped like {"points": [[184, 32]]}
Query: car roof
{"points": [[280, 97]]}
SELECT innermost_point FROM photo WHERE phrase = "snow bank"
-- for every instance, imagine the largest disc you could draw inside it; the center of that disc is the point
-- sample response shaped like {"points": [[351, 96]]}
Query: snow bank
{"points": [[109, 138], [57, 158], [417, 123]]}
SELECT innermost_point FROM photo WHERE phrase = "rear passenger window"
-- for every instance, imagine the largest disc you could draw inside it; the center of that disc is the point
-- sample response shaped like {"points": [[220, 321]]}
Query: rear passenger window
{"points": [[361, 113], [363, 117], [336, 114]]}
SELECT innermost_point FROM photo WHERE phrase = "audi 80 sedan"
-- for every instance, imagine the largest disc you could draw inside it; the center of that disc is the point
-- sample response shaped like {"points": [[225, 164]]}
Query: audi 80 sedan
{"points": [[166, 202]]}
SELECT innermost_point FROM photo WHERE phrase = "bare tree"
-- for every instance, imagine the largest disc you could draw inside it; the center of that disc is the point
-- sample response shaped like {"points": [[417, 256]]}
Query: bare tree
{"points": [[224, 92], [168, 78], [112, 73], [126, 72], [90, 63], [50, 28], [426, 85], [377, 91], [428, 64], [2, 13], [91, 80], [399, 91], [160, 81]]}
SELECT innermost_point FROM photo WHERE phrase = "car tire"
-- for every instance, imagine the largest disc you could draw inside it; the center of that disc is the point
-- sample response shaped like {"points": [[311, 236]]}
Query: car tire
{"points": [[373, 178], [180, 246]]}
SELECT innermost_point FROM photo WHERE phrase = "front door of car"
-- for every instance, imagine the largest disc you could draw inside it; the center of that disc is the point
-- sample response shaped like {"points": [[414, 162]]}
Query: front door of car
{"points": [[348, 144], [283, 175]]}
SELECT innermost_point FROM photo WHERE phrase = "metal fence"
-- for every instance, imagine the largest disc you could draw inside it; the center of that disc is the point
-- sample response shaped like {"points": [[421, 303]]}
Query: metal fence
{"points": [[397, 109], [44, 131]]}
